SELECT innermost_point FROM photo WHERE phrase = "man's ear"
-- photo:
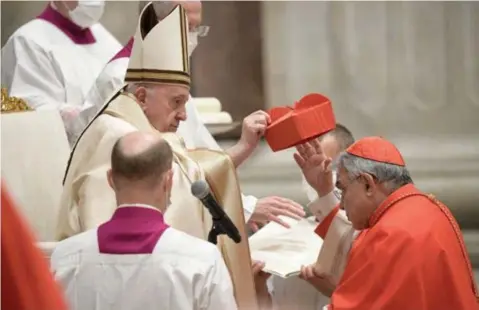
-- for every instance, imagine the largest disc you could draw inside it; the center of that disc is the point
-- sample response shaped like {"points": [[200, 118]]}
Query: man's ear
{"points": [[109, 176], [169, 179], [369, 182], [140, 94]]}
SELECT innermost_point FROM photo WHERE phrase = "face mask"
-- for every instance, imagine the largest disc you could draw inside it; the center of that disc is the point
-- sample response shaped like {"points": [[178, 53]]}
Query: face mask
{"points": [[87, 13], [192, 42]]}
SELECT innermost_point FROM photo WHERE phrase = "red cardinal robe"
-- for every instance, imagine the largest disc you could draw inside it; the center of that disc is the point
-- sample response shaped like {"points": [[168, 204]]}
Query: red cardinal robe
{"points": [[412, 257], [27, 283]]}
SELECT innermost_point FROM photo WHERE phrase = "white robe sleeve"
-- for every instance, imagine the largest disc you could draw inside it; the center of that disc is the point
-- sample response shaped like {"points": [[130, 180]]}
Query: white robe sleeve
{"points": [[29, 72], [322, 206], [218, 290], [196, 135]]}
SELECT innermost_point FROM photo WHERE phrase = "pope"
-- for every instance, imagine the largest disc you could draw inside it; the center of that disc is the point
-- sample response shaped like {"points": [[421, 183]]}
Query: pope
{"points": [[154, 101], [409, 253], [257, 211]]}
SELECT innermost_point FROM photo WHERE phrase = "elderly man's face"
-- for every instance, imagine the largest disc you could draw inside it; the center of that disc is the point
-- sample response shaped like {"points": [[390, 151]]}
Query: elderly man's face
{"points": [[357, 198], [164, 105]]}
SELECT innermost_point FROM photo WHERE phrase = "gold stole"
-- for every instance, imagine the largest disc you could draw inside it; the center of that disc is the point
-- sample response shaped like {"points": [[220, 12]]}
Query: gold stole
{"points": [[220, 174]]}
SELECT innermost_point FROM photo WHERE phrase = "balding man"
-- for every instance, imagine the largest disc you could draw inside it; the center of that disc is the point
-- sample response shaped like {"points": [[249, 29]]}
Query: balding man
{"points": [[135, 260]]}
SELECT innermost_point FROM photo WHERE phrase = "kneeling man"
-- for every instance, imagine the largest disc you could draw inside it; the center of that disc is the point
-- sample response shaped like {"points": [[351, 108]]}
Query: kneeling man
{"points": [[135, 260]]}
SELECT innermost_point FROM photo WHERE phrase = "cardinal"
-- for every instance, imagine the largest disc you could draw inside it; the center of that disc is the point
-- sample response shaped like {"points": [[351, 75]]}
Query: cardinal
{"points": [[410, 253]]}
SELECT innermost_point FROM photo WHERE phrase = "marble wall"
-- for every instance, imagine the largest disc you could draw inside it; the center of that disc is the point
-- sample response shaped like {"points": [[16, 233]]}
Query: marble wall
{"points": [[405, 70]]}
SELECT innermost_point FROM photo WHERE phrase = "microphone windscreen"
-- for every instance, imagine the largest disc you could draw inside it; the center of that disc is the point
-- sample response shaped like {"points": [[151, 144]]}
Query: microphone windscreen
{"points": [[200, 189]]}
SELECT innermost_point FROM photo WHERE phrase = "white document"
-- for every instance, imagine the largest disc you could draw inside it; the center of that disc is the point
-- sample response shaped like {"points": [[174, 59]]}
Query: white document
{"points": [[285, 250]]}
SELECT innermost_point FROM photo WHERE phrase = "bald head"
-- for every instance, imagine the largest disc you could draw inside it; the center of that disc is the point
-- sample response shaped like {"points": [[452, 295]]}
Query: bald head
{"points": [[336, 141], [141, 158]]}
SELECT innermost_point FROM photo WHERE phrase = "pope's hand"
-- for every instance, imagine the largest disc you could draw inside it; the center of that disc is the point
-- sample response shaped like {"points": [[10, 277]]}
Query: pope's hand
{"points": [[324, 283], [254, 127], [316, 166], [270, 208]]}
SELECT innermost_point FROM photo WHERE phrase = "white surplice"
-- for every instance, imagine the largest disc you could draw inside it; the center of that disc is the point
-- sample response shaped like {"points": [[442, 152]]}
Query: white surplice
{"points": [[193, 130], [182, 273], [43, 66]]}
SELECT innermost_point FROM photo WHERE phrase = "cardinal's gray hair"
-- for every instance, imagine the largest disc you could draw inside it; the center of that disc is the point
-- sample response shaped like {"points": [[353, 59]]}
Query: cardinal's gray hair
{"points": [[391, 176]]}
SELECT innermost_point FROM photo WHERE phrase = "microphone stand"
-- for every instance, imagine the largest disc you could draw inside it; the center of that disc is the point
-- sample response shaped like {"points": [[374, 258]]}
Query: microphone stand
{"points": [[216, 230]]}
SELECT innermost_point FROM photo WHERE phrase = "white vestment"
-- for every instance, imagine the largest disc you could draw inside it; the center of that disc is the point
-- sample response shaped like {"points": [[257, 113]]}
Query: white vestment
{"points": [[43, 66], [193, 131], [182, 273]]}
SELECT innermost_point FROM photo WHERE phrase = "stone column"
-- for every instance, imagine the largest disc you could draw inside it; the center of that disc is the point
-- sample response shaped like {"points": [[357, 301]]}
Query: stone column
{"points": [[227, 64]]}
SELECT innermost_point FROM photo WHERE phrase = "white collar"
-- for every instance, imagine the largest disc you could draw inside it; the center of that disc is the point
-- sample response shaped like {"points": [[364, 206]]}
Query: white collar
{"points": [[137, 205]]}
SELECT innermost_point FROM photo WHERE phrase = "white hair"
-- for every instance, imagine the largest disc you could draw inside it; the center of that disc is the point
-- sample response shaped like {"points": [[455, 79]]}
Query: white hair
{"points": [[391, 176], [132, 87]]}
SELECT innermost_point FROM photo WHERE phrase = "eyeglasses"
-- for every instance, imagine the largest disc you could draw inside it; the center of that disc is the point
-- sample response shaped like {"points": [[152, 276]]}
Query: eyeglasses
{"points": [[201, 31]]}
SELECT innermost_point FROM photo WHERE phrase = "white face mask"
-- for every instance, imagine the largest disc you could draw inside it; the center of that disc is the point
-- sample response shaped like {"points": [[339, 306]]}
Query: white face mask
{"points": [[87, 13], [192, 42]]}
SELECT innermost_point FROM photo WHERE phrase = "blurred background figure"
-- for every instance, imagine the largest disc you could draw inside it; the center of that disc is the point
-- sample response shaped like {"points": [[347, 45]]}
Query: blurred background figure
{"points": [[26, 279], [52, 61]]}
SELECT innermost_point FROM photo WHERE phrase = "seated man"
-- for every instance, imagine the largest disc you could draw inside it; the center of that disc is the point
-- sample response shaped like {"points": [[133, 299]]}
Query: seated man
{"points": [[135, 260], [410, 253], [154, 101]]}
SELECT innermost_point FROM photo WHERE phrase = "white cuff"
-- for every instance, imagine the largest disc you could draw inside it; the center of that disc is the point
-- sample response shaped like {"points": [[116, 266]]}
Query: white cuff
{"points": [[249, 204], [322, 206]]}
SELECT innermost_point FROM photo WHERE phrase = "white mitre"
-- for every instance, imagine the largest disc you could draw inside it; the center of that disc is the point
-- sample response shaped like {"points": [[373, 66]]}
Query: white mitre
{"points": [[160, 49]]}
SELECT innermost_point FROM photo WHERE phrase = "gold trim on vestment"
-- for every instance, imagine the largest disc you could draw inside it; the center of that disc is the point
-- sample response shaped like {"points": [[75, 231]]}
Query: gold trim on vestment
{"points": [[157, 76], [220, 174], [184, 40], [13, 104]]}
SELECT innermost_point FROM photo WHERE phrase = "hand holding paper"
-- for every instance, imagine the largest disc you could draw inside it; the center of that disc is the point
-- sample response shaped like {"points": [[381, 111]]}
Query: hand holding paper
{"points": [[323, 282], [285, 250]]}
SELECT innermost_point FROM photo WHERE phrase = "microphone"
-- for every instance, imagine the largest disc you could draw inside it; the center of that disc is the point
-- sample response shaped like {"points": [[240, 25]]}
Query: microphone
{"points": [[221, 221]]}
